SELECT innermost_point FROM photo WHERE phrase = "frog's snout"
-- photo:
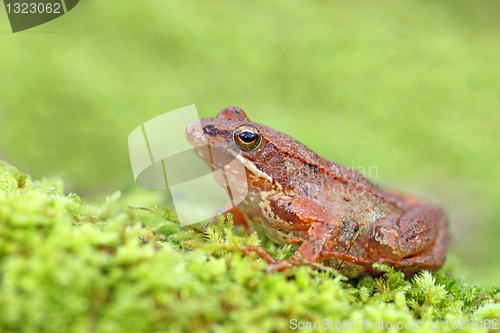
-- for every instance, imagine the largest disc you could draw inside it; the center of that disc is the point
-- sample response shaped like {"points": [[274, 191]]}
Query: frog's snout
{"points": [[194, 134]]}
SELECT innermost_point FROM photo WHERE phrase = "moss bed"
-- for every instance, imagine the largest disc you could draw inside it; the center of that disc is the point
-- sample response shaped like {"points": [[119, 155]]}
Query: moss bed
{"points": [[68, 266]]}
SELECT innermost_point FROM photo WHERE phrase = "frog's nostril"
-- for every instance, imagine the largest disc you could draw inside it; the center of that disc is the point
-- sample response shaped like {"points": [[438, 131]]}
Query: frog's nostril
{"points": [[210, 130]]}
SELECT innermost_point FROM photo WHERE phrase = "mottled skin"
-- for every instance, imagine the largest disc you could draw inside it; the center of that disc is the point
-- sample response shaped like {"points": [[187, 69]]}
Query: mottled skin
{"points": [[333, 213]]}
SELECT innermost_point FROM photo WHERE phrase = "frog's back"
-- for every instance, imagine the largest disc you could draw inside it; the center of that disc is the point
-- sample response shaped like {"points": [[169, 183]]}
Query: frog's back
{"points": [[297, 168]]}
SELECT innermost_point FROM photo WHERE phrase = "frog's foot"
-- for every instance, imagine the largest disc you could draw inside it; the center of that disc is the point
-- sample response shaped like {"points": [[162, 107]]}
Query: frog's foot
{"points": [[280, 265], [364, 262], [274, 264], [248, 249], [430, 259]]}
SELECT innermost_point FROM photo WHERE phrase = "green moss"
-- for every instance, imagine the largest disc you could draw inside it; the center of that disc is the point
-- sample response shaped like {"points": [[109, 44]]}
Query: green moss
{"points": [[67, 266]]}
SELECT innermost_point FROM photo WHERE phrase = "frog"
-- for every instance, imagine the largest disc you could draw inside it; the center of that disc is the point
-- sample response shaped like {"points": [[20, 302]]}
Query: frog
{"points": [[333, 214]]}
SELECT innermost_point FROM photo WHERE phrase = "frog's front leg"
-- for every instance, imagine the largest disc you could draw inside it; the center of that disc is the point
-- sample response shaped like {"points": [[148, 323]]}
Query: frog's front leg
{"points": [[322, 233]]}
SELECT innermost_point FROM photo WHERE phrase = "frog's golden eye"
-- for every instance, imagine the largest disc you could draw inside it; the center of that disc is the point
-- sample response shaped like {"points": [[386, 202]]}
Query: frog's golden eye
{"points": [[247, 137]]}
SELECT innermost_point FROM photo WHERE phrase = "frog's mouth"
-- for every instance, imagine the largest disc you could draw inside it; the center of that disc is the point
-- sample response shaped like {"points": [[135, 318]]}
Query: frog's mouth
{"points": [[220, 154]]}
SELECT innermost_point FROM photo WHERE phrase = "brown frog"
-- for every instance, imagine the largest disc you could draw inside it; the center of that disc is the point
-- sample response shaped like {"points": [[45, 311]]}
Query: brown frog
{"points": [[333, 213]]}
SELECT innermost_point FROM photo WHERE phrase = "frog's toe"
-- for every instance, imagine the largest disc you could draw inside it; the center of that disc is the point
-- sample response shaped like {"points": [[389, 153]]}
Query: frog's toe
{"points": [[280, 265]]}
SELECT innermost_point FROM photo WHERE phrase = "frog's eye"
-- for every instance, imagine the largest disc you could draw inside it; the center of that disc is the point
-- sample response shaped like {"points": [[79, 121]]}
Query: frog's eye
{"points": [[247, 137]]}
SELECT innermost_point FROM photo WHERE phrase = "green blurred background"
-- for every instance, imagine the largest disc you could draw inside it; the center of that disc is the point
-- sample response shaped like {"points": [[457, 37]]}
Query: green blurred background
{"points": [[411, 87]]}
